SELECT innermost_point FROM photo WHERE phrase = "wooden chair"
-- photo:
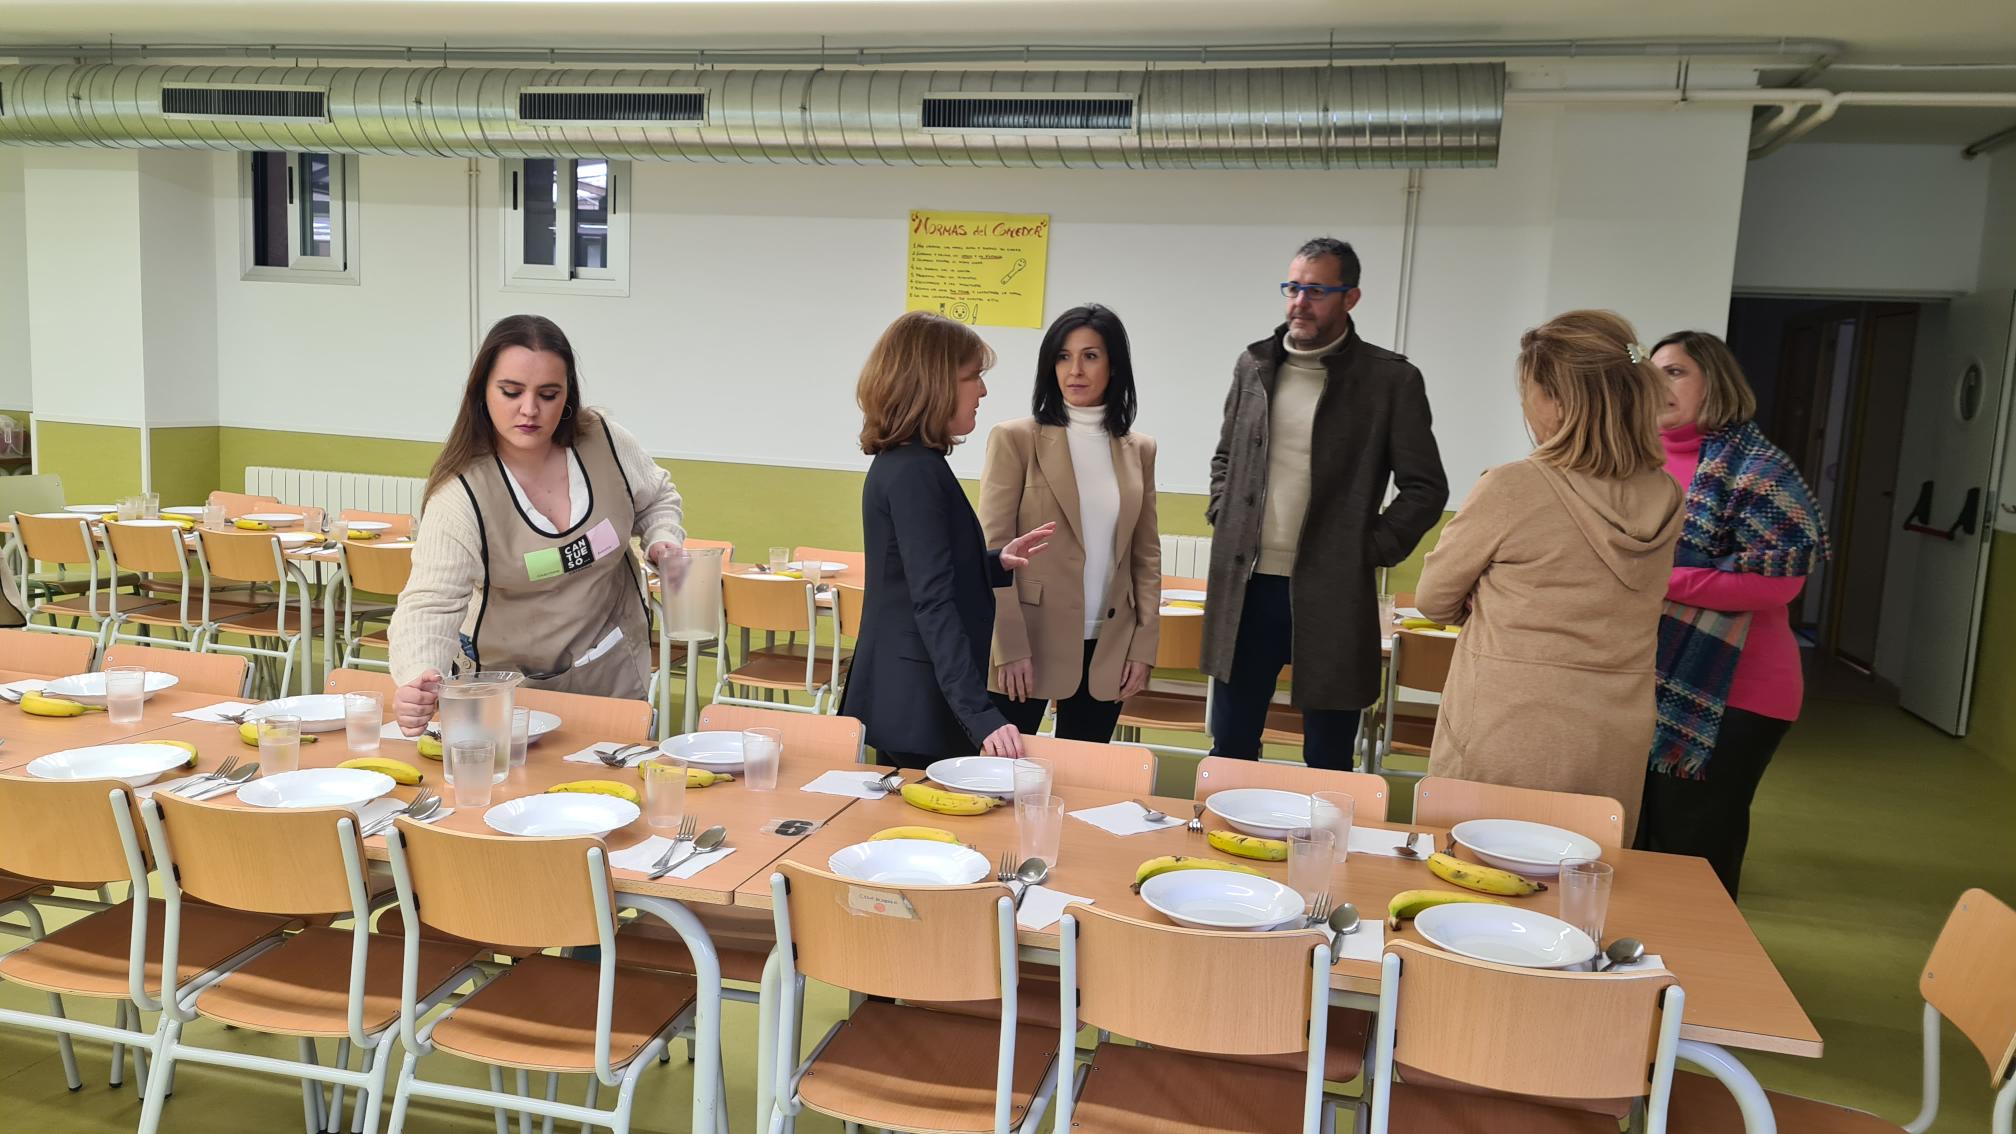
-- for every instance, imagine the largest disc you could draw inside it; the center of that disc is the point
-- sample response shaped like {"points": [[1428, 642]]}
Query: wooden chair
{"points": [[1259, 996], [856, 561], [358, 681], [29, 651], [1181, 646], [601, 1019], [896, 1066], [255, 557], [1087, 764], [197, 673], [773, 607], [611, 718], [67, 542], [81, 833], [1965, 981], [321, 983], [1536, 1042], [850, 605], [152, 551], [401, 525], [1419, 661], [837, 739], [236, 504], [1442, 802], [1219, 773], [376, 571]]}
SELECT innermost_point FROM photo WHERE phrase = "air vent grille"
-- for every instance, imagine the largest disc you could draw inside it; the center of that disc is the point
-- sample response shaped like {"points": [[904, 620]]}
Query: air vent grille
{"points": [[1025, 115], [245, 102], [615, 107]]}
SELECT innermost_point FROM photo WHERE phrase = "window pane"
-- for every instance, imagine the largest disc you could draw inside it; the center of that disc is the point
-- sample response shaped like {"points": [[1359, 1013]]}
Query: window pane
{"points": [[542, 206], [591, 213], [269, 210], [314, 200]]}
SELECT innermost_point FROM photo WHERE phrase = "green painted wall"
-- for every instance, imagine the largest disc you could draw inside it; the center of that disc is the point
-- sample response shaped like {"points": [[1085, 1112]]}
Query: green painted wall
{"points": [[98, 463], [1991, 730], [184, 463]]}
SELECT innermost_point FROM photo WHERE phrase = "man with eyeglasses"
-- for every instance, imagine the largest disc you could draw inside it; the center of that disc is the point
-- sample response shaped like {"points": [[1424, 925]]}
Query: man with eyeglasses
{"points": [[1317, 423]]}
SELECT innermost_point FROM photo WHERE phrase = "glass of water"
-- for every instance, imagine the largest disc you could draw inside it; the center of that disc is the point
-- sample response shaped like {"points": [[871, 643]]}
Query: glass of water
{"points": [[469, 764], [279, 745], [521, 735], [779, 558], [1333, 811], [1585, 895], [363, 720], [1033, 778], [1312, 856], [762, 752], [213, 515], [1039, 827], [1385, 616], [125, 693], [664, 791]]}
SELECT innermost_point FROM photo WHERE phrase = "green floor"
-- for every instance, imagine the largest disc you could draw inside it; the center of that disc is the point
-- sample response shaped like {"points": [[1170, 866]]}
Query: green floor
{"points": [[1868, 826]]}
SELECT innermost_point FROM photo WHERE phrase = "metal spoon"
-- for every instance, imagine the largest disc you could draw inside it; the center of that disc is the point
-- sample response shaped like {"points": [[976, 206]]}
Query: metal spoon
{"points": [[886, 784], [1032, 872], [710, 840], [235, 780], [1406, 849], [1623, 951], [1344, 919], [1148, 813], [621, 757]]}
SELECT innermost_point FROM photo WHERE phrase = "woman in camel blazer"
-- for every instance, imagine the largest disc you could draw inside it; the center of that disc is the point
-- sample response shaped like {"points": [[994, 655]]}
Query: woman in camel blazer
{"points": [[1079, 626]]}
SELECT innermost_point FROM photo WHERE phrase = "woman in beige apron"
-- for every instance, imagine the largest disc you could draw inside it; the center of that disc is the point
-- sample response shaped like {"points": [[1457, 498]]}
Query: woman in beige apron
{"points": [[523, 559]]}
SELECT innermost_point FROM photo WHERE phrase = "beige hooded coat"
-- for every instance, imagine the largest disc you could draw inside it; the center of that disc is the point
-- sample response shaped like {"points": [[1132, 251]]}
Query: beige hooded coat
{"points": [[1558, 580]]}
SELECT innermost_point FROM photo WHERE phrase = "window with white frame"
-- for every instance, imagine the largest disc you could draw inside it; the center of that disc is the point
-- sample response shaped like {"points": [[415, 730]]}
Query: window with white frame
{"points": [[300, 217], [565, 226]]}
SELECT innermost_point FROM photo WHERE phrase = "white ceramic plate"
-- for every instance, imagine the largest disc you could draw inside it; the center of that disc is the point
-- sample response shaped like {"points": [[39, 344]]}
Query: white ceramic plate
{"points": [[1181, 596], [57, 515], [713, 751], [1180, 612], [274, 517], [1221, 899], [137, 764], [1260, 811], [89, 688], [152, 524], [1508, 935], [542, 723], [316, 787], [367, 525], [561, 814], [909, 862], [194, 512], [825, 568], [319, 712], [90, 509], [296, 539], [981, 775], [1522, 847]]}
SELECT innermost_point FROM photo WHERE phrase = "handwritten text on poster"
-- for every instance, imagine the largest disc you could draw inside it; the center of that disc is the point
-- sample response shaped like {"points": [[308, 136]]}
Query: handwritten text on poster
{"points": [[985, 269]]}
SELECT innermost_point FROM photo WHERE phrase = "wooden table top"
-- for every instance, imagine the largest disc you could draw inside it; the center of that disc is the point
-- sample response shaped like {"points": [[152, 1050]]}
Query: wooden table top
{"points": [[31, 736], [1735, 995]]}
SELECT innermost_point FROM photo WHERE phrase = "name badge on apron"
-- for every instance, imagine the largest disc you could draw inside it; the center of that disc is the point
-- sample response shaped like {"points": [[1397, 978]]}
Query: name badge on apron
{"points": [[598, 542]]}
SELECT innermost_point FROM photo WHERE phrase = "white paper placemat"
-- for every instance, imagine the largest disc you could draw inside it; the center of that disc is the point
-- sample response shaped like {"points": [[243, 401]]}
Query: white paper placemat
{"points": [[593, 755], [392, 731], [1364, 943], [1124, 819], [853, 785], [1648, 961], [214, 714], [1042, 906], [1378, 840], [645, 855]]}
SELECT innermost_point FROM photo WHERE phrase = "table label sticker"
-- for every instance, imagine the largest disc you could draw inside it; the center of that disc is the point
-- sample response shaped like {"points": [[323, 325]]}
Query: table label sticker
{"points": [[880, 903]]}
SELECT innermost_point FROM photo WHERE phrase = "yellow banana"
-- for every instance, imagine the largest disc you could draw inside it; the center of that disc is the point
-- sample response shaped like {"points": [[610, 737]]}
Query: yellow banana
{"points": [[1483, 879], [1169, 862], [249, 733], [1185, 604], [931, 834], [252, 525], [109, 517], [1248, 846], [699, 778], [363, 535], [1408, 903], [598, 787], [38, 705], [400, 771], [184, 746], [947, 802], [430, 747]]}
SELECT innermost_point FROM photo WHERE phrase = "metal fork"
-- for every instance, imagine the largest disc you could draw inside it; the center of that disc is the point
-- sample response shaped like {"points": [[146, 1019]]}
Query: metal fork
{"points": [[1007, 871], [223, 770], [422, 800], [688, 828], [621, 757], [1319, 911], [1196, 823]]}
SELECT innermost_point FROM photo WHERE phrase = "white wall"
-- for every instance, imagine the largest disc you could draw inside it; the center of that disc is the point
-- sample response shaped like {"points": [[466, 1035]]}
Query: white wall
{"points": [[1876, 220], [84, 325], [15, 392], [178, 313], [756, 290], [1998, 270]]}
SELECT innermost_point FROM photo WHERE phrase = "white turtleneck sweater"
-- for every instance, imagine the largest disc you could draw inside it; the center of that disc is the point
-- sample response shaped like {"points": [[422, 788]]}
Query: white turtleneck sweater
{"points": [[1098, 504], [1291, 420]]}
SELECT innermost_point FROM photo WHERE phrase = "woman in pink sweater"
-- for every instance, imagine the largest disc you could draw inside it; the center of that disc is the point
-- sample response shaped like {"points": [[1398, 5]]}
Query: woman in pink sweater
{"points": [[1730, 682]]}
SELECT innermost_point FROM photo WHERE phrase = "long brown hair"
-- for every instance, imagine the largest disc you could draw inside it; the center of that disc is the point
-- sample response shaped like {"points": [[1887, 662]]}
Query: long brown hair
{"points": [[473, 437], [909, 386], [1610, 404], [1726, 396]]}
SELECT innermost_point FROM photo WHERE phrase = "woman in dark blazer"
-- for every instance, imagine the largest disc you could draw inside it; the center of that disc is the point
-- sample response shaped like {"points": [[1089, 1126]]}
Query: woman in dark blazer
{"points": [[918, 681]]}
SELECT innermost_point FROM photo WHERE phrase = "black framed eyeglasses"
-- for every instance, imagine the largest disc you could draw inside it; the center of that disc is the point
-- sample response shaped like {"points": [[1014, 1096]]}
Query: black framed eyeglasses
{"points": [[1293, 290]]}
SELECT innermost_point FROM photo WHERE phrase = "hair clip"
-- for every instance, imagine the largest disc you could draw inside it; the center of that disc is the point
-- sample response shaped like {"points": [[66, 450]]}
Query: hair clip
{"points": [[1639, 355]]}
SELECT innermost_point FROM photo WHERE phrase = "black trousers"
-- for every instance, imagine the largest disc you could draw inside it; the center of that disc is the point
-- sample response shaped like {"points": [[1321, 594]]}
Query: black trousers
{"points": [[1710, 818], [1239, 706], [1081, 716]]}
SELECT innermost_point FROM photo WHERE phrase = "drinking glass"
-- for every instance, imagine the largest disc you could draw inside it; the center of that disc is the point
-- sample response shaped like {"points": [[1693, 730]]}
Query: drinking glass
{"points": [[762, 752], [1033, 778], [780, 557], [1312, 855], [150, 505], [469, 765], [812, 569], [125, 693], [363, 720], [1385, 616], [128, 507], [213, 515], [339, 530], [1039, 827], [1333, 811], [1585, 895], [521, 735], [279, 745], [664, 791]]}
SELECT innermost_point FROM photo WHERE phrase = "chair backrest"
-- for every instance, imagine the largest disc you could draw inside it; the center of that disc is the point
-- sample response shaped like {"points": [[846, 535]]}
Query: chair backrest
{"points": [[1967, 978], [1088, 764], [1441, 802], [727, 547], [401, 525], [826, 738], [609, 718], [910, 942], [51, 655], [1246, 993], [221, 674], [856, 561], [263, 859], [241, 557], [1421, 661], [1526, 1031], [377, 570], [1184, 583], [530, 893], [311, 516], [237, 504], [362, 681], [849, 604], [63, 830], [43, 493], [1181, 643], [156, 549], [767, 604], [1219, 773], [56, 539]]}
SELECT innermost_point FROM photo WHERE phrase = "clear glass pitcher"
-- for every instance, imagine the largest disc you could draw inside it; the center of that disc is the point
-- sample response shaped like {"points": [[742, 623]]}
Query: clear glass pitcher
{"points": [[692, 610], [477, 706]]}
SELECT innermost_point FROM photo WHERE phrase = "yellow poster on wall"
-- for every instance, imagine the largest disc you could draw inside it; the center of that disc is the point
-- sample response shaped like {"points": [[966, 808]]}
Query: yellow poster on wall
{"points": [[985, 269]]}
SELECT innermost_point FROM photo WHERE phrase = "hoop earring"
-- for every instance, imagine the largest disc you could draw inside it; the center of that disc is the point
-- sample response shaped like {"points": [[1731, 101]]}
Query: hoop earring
{"points": [[566, 412]]}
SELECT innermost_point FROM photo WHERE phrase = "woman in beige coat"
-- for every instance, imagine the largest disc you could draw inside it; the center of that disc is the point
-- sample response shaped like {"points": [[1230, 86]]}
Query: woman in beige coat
{"points": [[1556, 567], [1080, 625]]}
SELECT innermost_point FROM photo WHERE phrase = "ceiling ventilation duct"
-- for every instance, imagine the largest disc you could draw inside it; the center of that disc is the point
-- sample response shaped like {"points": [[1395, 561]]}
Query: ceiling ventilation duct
{"points": [[1218, 118]]}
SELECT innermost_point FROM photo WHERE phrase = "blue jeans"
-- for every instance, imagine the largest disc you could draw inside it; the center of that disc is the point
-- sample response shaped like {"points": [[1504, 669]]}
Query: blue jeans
{"points": [[1239, 706]]}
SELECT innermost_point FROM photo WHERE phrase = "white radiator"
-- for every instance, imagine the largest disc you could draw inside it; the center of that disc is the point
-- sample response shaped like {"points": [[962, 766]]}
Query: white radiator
{"points": [[1186, 556], [335, 491]]}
